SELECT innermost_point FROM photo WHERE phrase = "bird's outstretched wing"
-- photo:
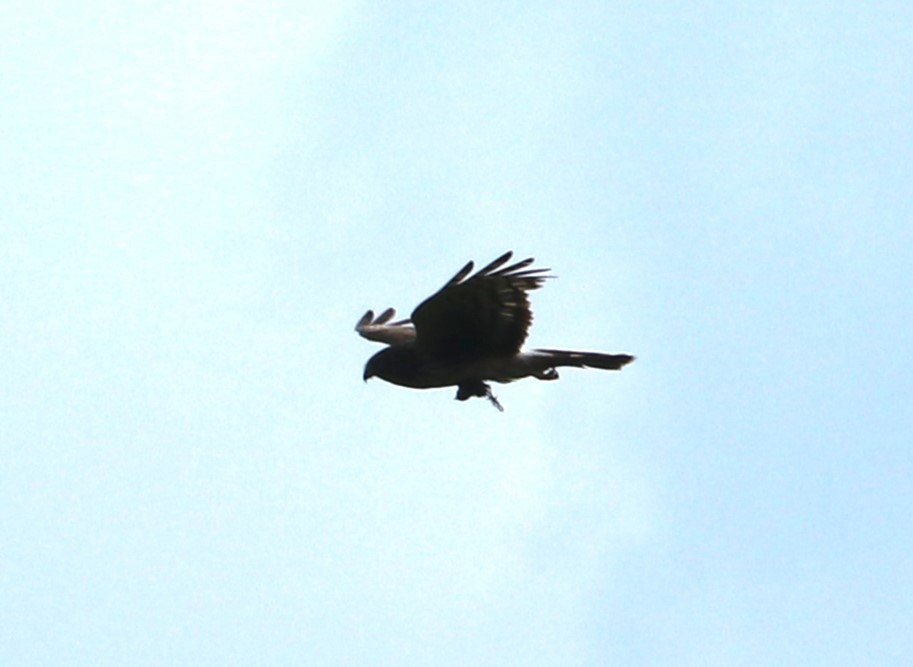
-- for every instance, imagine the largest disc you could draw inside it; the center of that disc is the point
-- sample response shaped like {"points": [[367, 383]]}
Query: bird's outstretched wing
{"points": [[485, 314], [380, 328]]}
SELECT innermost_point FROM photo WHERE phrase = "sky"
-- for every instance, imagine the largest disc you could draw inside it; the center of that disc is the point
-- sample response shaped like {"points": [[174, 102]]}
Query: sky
{"points": [[201, 199]]}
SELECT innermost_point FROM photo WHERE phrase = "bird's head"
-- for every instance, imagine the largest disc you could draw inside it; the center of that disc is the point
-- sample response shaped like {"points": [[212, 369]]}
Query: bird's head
{"points": [[394, 364], [370, 369], [381, 365]]}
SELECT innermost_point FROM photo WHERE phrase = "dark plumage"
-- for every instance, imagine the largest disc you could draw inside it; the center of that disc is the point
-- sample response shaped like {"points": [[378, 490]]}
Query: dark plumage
{"points": [[469, 331]]}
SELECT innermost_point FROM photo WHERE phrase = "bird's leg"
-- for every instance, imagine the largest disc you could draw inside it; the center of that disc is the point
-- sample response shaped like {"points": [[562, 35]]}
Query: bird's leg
{"points": [[466, 390], [491, 397], [478, 388]]}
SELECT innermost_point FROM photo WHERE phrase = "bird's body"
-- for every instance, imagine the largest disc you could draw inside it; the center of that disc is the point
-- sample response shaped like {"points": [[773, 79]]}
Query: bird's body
{"points": [[470, 332]]}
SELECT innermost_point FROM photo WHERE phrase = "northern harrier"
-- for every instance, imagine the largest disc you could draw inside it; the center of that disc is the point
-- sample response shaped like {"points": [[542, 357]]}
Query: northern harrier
{"points": [[470, 331]]}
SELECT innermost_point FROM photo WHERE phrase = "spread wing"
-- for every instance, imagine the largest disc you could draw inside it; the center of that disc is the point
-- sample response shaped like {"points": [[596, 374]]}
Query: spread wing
{"points": [[380, 328], [485, 314]]}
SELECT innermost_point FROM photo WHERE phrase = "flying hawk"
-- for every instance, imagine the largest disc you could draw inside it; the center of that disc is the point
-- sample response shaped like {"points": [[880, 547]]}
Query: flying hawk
{"points": [[469, 331]]}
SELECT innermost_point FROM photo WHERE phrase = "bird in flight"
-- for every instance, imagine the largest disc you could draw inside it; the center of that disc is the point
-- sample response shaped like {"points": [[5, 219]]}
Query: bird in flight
{"points": [[470, 332]]}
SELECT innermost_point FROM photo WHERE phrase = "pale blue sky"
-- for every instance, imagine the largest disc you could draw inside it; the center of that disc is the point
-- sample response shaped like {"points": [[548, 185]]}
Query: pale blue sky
{"points": [[200, 199]]}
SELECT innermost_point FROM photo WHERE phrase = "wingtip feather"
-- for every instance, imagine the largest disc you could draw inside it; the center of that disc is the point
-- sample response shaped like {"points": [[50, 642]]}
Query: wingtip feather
{"points": [[365, 320]]}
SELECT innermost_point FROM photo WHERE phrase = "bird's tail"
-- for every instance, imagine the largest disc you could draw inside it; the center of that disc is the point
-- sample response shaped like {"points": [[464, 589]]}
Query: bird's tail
{"points": [[609, 362]]}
